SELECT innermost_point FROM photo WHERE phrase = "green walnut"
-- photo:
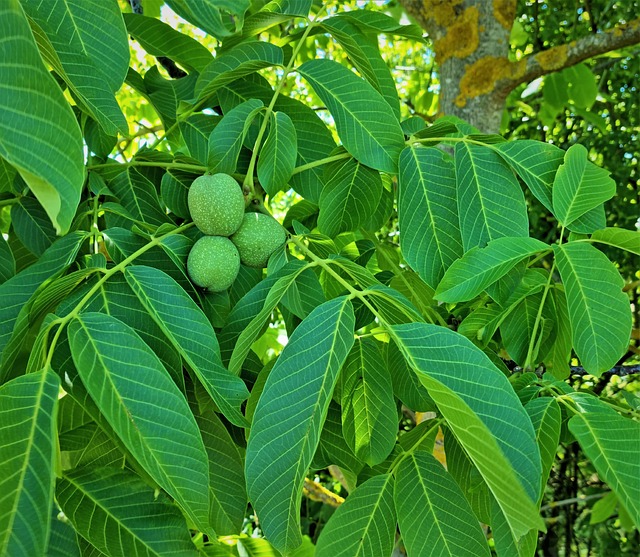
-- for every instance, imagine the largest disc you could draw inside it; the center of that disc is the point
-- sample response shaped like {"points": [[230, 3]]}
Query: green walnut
{"points": [[213, 263], [216, 204], [257, 238]]}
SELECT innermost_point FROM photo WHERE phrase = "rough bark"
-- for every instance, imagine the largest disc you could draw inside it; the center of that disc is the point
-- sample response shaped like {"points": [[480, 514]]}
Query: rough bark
{"points": [[471, 43]]}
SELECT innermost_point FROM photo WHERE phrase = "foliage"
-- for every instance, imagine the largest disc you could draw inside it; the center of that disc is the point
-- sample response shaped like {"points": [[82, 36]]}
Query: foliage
{"points": [[142, 414]]}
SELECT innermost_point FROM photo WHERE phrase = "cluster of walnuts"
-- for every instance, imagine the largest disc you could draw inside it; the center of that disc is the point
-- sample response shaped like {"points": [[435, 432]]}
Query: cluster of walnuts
{"points": [[231, 236]]}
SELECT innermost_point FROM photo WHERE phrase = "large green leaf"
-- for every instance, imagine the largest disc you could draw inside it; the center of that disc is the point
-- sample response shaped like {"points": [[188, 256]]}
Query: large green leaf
{"points": [[536, 163], [364, 525], [369, 416], [143, 405], [598, 309], [160, 39], [16, 291], [227, 137], [612, 443], [191, 333], [242, 60], [546, 419], [226, 474], [32, 225], [63, 540], [490, 201], [480, 267], [365, 126], [86, 43], [434, 517], [289, 417], [618, 237], [212, 16], [428, 212], [349, 197], [39, 134], [120, 514], [27, 428], [557, 359], [278, 154], [483, 412], [579, 186], [139, 196]]}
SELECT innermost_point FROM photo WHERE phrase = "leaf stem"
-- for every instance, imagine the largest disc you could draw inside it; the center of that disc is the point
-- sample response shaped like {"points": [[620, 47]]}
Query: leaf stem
{"points": [[320, 162], [177, 165], [8, 202], [413, 448]]}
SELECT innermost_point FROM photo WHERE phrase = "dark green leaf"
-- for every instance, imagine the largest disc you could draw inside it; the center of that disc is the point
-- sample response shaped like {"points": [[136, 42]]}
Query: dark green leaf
{"points": [[278, 154], [212, 16], [32, 225]]}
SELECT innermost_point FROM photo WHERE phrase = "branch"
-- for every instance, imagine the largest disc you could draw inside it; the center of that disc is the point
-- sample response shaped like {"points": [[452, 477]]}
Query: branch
{"points": [[570, 54], [316, 492]]}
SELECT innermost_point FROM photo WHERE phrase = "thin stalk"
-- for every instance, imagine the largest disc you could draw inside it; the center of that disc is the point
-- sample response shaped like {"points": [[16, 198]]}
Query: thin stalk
{"points": [[177, 165], [8, 202], [405, 454]]}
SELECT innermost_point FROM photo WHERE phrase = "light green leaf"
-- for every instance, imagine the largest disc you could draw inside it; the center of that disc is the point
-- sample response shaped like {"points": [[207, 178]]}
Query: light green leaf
{"points": [[365, 126], [579, 186], [159, 39], [483, 412], [349, 197], [196, 131], [481, 267], [598, 309], [39, 134], [228, 495], [557, 359], [211, 15], [583, 86], [289, 417], [491, 204], [536, 163], [369, 415], [604, 508], [242, 60], [278, 154], [618, 237], [612, 443], [227, 137], [63, 540], [143, 405], [380, 22], [191, 333], [546, 419], [428, 212], [120, 514], [505, 544], [364, 54], [86, 43], [27, 452], [434, 516], [364, 525]]}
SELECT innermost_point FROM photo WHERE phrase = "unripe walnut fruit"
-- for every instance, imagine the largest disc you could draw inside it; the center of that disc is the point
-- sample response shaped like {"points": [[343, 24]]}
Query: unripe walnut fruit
{"points": [[257, 238], [213, 263], [216, 204]]}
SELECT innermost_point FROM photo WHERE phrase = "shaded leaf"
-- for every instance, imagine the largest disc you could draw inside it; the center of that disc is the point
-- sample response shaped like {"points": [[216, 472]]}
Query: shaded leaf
{"points": [[278, 154]]}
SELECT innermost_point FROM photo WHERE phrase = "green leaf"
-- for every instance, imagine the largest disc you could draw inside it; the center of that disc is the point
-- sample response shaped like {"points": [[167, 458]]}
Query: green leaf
{"points": [[174, 190], [140, 401], [490, 201], [63, 540], [196, 130], [428, 213], [32, 225], [138, 196], [364, 54], [228, 495], [483, 412], [618, 237], [364, 525], [7, 261], [598, 309], [333, 448], [481, 267], [365, 126], [242, 60], [557, 359], [369, 415], [278, 154], [227, 137], [536, 163], [39, 134], [546, 419], [191, 333], [612, 443], [579, 186], [380, 22], [86, 43], [119, 514], [604, 508], [27, 452], [159, 39], [434, 516], [583, 86], [349, 197], [16, 291], [289, 417], [211, 15]]}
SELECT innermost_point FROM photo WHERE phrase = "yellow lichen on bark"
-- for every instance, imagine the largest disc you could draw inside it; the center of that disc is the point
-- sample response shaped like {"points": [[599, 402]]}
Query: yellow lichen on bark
{"points": [[505, 12], [481, 77], [443, 12], [553, 59], [461, 39]]}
